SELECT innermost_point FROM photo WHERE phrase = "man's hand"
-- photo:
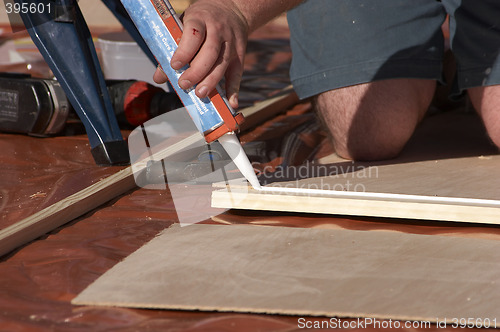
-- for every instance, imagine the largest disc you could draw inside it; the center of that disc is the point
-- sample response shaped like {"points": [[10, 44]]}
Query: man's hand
{"points": [[214, 44]]}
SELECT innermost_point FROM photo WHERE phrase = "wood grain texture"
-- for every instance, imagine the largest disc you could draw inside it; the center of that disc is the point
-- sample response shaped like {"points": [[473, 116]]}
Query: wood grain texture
{"points": [[108, 188], [294, 271], [449, 171]]}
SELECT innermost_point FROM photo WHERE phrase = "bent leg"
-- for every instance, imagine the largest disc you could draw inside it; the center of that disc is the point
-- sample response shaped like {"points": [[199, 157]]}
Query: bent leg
{"points": [[360, 70], [373, 121], [486, 100], [475, 41]]}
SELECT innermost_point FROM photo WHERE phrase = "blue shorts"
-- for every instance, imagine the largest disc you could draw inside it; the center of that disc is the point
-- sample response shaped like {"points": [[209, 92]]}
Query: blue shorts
{"points": [[339, 43]]}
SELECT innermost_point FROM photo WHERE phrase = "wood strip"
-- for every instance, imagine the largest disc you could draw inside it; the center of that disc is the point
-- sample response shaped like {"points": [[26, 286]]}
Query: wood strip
{"points": [[374, 207], [65, 210], [111, 187]]}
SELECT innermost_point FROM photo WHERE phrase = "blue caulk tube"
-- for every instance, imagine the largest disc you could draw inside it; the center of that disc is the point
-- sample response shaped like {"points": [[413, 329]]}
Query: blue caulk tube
{"points": [[161, 29]]}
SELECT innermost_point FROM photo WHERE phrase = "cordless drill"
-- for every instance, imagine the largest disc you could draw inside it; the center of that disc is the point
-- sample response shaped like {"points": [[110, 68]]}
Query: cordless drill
{"points": [[39, 107], [32, 106]]}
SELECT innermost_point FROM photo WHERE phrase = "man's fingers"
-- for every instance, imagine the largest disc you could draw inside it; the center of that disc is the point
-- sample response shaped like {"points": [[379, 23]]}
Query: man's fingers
{"points": [[191, 41], [159, 76], [209, 67], [212, 44], [233, 80]]}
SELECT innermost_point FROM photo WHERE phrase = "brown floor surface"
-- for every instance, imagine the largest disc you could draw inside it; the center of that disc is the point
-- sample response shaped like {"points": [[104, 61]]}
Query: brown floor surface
{"points": [[38, 281]]}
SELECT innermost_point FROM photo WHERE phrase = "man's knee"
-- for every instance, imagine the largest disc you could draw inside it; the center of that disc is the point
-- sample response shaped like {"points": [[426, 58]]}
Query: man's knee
{"points": [[374, 141], [374, 121], [371, 147], [486, 100]]}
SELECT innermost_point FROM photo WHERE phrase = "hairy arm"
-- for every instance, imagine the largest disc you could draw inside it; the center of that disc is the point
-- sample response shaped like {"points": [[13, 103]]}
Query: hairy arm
{"points": [[214, 42]]}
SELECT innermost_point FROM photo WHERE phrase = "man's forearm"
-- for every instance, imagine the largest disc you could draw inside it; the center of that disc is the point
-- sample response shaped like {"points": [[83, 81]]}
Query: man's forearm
{"points": [[259, 12]]}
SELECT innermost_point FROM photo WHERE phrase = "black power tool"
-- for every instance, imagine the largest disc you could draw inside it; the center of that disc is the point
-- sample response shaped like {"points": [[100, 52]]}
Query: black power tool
{"points": [[39, 107], [32, 106]]}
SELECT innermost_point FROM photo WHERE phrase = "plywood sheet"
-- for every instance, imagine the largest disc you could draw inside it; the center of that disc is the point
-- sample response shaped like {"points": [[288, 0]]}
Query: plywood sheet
{"points": [[307, 272], [449, 171]]}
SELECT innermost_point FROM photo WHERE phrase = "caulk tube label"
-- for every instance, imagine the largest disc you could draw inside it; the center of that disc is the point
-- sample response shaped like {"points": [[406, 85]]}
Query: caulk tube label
{"points": [[162, 44]]}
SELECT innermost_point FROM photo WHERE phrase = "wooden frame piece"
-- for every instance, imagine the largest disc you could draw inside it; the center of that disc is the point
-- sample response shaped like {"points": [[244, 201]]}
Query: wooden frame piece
{"points": [[449, 172], [374, 205]]}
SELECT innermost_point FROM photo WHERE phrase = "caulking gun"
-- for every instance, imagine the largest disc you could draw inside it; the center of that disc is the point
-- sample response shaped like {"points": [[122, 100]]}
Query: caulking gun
{"points": [[161, 29]]}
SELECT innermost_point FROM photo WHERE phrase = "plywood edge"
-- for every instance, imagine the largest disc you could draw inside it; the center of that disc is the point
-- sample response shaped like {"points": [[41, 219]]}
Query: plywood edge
{"points": [[82, 301]]}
